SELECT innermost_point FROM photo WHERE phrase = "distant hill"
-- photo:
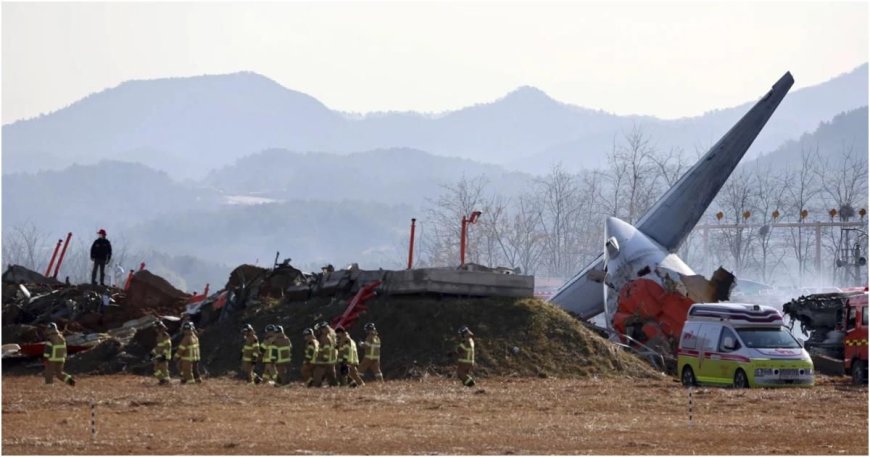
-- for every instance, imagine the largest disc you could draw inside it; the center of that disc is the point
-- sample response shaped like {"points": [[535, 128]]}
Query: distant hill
{"points": [[185, 126], [191, 126], [390, 176], [309, 231], [846, 131], [107, 194]]}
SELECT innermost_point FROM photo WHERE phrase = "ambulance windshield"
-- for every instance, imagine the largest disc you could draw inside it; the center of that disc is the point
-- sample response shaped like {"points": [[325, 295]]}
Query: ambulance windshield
{"points": [[767, 338]]}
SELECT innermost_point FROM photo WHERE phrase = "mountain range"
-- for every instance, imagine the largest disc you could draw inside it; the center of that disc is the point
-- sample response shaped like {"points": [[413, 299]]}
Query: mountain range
{"points": [[231, 168], [190, 127]]}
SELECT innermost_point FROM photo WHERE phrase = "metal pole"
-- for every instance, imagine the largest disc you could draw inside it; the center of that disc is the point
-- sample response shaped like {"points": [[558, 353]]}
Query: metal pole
{"points": [[818, 249], [462, 236], [62, 253], [707, 248], [411, 244], [53, 255]]}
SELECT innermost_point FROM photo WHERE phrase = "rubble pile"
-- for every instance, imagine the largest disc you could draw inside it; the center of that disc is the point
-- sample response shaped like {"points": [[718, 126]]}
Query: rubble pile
{"points": [[515, 336], [99, 323]]}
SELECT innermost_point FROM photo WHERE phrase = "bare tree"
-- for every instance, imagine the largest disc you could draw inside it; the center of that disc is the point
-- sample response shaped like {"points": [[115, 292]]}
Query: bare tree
{"points": [[561, 206], [736, 198], [25, 245], [800, 192], [444, 214], [845, 185], [770, 190]]}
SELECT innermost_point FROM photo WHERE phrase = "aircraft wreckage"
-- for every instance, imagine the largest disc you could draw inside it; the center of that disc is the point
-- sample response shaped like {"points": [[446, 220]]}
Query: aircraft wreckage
{"points": [[642, 287]]}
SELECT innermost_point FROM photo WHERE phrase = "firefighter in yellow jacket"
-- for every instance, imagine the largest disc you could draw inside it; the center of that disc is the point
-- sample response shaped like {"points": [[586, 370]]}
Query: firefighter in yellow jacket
{"points": [[465, 356], [188, 352], [267, 354], [371, 353], [324, 364], [54, 356], [162, 353], [283, 349], [348, 358], [250, 353], [311, 348]]}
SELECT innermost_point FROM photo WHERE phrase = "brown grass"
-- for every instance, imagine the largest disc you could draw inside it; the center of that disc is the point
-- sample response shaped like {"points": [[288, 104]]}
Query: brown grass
{"points": [[435, 415]]}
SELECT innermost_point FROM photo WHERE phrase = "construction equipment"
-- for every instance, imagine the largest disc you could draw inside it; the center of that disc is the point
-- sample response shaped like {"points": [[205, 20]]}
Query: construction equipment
{"points": [[836, 324]]}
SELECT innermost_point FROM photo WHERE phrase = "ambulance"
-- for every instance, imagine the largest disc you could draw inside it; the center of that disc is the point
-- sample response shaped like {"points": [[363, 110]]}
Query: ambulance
{"points": [[740, 345]]}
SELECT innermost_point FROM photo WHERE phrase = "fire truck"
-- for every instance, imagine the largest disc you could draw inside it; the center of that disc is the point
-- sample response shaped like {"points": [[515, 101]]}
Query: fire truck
{"points": [[836, 326]]}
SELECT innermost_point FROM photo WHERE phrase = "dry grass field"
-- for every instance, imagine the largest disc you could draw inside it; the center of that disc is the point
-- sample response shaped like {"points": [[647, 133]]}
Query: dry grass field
{"points": [[433, 416]]}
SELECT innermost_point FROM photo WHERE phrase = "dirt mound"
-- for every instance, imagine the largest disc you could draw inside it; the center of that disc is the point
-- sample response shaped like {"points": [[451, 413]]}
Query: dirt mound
{"points": [[16, 274], [521, 337], [148, 290]]}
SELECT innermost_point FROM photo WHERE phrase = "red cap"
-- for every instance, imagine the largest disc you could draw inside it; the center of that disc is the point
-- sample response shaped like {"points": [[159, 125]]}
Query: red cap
{"points": [[101, 232]]}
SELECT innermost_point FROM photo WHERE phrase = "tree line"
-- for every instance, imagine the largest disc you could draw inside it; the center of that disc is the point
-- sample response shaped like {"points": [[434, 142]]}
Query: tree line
{"points": [[556, 226]]}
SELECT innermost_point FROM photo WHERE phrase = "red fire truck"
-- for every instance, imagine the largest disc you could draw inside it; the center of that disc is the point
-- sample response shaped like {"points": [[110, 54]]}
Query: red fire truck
{"points": [[836, 324]]}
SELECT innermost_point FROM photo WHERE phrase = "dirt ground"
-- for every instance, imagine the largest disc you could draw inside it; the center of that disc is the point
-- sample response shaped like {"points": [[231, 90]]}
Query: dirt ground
{"points": [[431, 416]]}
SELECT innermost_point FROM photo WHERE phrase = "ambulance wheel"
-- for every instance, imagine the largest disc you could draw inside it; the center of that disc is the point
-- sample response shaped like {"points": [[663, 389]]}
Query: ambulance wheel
{"points": [[688, 377], [859, 373], [740, 379]]}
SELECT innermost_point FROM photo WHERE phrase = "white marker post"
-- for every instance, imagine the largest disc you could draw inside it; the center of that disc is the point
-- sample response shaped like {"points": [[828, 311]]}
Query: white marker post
{"points": [[690, 406], [93, 421]]}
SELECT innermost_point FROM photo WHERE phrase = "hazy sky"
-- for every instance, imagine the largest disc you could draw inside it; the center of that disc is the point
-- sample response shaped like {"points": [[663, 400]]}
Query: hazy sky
{"points": [[668, 59]]}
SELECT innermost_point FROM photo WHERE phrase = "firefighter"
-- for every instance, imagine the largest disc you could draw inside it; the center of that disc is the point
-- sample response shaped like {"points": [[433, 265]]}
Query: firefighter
{"points": [[283, 348], [250, 353], [324, 364], [465, 356], [372, 353], [162, 353], [267, 355], [54, 356], [311, 348], [348, 358], [188, 352]]}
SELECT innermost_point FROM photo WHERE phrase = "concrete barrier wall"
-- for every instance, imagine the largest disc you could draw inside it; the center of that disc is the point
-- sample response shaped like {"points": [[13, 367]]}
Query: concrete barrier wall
{"points": [[458, 282]]}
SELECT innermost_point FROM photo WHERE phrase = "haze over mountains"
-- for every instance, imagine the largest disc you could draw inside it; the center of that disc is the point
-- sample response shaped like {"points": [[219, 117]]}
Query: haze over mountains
{"points": [[172, 165], [189, 127]]}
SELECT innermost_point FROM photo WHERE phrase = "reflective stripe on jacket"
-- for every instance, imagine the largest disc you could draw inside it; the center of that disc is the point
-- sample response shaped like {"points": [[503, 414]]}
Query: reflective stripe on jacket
{"points": [[250, 350], [311, 349], [267, 350], [466, 351], [164, 346], [188, 349], [373, 347], [55, 352], [347, 353], [325, 352], [283, 347]]}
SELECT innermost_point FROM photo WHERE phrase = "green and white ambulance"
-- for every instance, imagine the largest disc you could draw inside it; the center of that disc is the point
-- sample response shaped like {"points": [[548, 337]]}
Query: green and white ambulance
{"points": [[740, 345]]}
